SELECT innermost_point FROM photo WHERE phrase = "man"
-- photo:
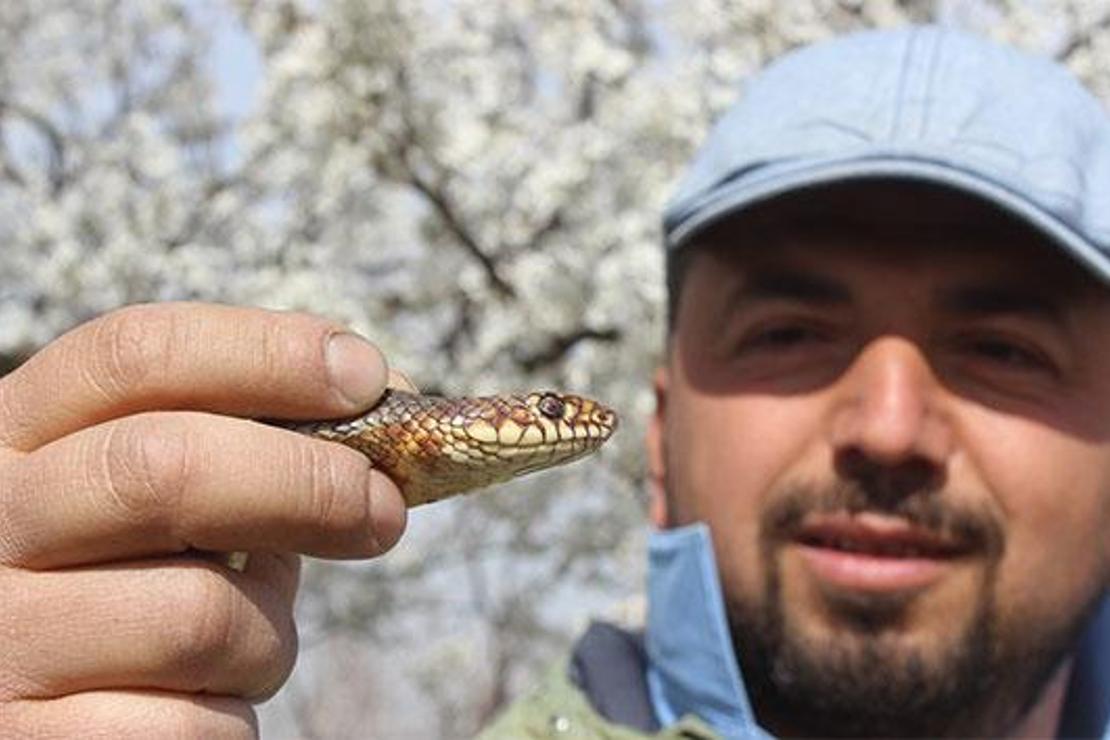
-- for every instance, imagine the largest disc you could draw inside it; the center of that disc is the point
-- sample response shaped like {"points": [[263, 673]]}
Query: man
{"points": [[880, 460], [881, 456]]}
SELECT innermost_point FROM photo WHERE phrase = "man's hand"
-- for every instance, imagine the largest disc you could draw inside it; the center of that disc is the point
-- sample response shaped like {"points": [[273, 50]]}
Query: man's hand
{"points": [[125, 447]]}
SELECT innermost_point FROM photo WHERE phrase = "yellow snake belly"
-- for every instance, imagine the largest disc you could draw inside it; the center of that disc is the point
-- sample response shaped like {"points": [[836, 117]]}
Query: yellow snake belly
{"points": [[434, 447]]}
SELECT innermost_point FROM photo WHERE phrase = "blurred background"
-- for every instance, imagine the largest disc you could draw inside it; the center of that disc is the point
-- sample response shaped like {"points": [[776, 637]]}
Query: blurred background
{"points": [[475, 185]]}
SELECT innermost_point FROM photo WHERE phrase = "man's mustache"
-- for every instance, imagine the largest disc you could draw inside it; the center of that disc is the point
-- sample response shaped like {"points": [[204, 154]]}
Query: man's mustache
{"points": [[975, 526]]}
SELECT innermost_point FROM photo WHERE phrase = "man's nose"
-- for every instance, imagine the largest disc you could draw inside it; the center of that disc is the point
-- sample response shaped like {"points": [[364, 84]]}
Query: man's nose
{"points": [[890, 410]]}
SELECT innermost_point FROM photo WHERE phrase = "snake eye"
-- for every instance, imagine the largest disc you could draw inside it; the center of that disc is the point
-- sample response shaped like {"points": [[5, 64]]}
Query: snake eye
{"points": [[551, 406]]}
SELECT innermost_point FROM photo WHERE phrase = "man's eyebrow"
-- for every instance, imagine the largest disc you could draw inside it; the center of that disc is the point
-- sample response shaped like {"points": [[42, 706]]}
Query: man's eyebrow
{"points": [[992, 300], [789, 285]]}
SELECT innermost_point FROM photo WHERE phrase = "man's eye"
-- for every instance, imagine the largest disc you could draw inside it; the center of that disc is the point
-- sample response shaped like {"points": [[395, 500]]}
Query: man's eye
{"points": [[782, 337], [1009, 354]]}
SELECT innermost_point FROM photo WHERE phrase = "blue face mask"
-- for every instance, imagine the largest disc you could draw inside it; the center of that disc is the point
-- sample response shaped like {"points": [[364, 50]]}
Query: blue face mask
{"points": [[691, 665]]}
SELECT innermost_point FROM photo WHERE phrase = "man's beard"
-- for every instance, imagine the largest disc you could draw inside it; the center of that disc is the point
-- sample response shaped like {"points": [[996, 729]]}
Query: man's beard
{"points": [[866, 682]]}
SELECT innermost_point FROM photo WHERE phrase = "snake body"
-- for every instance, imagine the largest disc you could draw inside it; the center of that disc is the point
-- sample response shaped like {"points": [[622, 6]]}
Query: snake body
{"points": [[435, 447]]}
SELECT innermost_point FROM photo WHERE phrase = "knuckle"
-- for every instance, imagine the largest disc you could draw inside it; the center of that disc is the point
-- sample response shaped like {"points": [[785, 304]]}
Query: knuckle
{"points": [[205, 630], [207, 717], [290, 346], [145, 466], [278, 345], [130, 346], [331, 501], [179, 720], [283, 342], [220, 637], [273, 659], [16, 417], [16, 516]]}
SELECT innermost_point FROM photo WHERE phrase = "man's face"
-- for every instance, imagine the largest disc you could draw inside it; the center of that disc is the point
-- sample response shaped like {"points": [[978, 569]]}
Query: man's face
{"points": [[899, 435]]}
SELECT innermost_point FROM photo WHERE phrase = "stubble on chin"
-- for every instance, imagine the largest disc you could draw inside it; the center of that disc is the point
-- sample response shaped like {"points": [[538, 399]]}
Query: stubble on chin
{"points": [[861, 679], [862, 675]]}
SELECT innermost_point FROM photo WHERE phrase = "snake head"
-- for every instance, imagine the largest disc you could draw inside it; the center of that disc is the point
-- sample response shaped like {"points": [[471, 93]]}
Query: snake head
{"points": [[539, 430], [581, 417]]}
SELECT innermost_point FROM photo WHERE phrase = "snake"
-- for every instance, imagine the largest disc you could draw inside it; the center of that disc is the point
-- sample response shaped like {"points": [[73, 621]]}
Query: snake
{"points": [[435, 447]]}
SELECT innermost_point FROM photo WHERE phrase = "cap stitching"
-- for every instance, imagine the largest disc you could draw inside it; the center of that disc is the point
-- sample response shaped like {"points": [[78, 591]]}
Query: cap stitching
{"points": [[939, 39], [900, 86]]}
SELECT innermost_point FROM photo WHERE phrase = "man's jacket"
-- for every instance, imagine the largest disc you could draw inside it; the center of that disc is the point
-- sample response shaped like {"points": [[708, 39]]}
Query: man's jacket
{"points": [[601, 693]]}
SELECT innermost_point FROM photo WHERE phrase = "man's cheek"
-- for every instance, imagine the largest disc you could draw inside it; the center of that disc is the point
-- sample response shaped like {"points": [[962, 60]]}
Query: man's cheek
{"points": [[1031, 586], [1066, 522]]}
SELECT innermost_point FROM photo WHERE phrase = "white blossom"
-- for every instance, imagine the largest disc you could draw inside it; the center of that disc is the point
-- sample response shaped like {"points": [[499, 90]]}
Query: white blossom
{"points": [[475, 184]]}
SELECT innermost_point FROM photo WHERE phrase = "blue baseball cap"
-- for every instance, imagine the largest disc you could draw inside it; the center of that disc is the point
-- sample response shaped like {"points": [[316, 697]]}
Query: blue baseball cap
{"points": [[922, 103]]}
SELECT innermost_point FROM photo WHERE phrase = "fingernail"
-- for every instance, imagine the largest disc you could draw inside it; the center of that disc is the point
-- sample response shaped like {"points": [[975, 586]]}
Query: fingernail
{"points": [[356, 367], [399, 380]]}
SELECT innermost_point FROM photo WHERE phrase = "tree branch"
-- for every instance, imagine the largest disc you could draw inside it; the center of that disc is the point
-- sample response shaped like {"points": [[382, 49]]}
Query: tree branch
{"points": [[436, 196], [462, 328], [551, 226], [560, 345], [443, 207], [50, 132], [1083, 38], [198, 215]]}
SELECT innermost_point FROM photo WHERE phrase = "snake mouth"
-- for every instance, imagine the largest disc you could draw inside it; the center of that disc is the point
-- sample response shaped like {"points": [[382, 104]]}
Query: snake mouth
{"points": [[607, 420], [547, 462]]}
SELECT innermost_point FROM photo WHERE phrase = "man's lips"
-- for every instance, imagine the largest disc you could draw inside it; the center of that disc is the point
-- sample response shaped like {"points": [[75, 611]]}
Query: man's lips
{"points": [[875, 553], [878, 535]]}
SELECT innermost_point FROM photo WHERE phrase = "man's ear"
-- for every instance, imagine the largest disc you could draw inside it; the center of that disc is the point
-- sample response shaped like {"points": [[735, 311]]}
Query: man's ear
{"points": [[655, 442]]}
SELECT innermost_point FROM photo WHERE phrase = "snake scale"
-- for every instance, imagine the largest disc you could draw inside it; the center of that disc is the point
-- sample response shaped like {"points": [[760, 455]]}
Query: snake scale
{"points": [[435, 447]]}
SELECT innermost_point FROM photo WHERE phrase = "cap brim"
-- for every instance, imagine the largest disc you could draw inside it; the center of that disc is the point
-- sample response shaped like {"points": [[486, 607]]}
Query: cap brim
{"points": [[730, 198]]}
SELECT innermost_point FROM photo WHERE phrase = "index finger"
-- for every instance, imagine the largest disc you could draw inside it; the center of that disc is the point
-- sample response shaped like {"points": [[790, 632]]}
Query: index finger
{"points": [[162, 483], [205, 357]]}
